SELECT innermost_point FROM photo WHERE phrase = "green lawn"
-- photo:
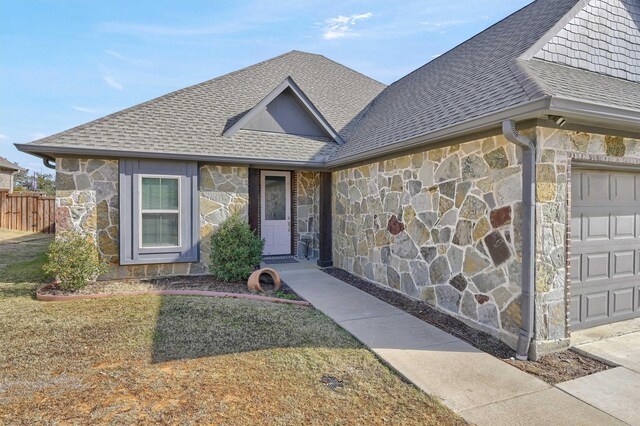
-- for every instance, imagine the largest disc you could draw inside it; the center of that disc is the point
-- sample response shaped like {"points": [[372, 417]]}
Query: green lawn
{"points": [[184, 360]]}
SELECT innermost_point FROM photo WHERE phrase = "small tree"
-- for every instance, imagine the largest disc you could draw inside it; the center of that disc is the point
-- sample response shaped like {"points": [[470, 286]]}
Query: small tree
{"points": [[235, 250], [73, 260]]}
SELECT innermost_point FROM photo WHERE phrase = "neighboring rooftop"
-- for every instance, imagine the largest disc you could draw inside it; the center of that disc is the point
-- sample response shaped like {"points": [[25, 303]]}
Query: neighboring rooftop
{"points": [[8, 165]]}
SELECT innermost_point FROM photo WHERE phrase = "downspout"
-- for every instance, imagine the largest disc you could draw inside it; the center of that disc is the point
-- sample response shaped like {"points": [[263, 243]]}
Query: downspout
{"points": [[528, 235], [47, 163]]}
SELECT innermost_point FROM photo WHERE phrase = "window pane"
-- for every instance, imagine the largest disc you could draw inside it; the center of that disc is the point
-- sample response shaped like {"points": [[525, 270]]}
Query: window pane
{"points": [[159, 193], [169, 194], [150, 193], [275, 201], [159, 229]]}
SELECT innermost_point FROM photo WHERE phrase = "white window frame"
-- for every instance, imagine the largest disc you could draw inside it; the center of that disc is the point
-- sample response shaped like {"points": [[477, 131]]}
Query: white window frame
{"points": [[172, 211]]}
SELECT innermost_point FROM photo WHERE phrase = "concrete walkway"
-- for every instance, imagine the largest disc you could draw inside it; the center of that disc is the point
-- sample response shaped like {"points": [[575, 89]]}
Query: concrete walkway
{"points": [[481, 388]]}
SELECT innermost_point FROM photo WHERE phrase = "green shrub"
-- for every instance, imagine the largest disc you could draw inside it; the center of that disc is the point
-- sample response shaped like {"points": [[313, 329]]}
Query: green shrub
{"points": [[74, 260], [235, 250]]}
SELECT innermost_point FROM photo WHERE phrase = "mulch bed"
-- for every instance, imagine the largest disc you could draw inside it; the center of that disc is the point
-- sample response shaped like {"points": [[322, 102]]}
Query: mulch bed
{"points": [[554, 368], [202, 283]]}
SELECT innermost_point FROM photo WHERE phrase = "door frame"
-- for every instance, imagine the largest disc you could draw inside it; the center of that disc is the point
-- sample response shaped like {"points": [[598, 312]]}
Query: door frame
{"points": [[288, 175]]}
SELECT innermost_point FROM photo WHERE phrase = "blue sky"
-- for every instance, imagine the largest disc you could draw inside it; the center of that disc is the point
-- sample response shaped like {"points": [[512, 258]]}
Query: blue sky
{"points": [[67, 62]]}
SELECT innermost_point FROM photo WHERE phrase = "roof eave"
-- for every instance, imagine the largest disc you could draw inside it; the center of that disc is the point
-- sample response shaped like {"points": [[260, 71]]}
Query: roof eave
{"points": [[530, 110], [51, 152], [582, 112]]}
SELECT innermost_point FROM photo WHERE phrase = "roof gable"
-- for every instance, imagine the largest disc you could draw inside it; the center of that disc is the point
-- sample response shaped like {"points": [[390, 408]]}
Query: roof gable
{"points": [[603, 36], [286, 110]]}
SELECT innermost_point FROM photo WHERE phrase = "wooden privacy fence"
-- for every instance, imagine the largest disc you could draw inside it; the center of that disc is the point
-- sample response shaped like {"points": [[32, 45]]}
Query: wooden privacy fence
{"points": [[27, 211]]}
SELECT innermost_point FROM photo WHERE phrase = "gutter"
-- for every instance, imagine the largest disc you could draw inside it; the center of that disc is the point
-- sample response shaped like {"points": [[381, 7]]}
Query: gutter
{"points": [[528, 236], [43, 150]]}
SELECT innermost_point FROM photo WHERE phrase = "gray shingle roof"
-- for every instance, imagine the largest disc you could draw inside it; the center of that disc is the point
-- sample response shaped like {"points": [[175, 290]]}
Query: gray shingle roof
{"points": [[478, 77], [6, 164], [192, 120]]}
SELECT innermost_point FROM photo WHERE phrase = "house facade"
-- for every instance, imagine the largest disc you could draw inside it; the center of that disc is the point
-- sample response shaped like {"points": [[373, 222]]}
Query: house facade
{"points": [[499, 182], [7, 171]]}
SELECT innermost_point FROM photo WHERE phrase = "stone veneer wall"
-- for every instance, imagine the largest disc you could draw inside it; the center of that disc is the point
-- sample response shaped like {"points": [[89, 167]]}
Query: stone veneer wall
{"points": [[87, 200], [556, 148], [6, 179], [308, 184], [442, 225]]}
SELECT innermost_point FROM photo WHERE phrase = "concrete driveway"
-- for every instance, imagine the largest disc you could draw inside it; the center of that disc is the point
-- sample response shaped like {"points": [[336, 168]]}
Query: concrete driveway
{"points": [[615, 391]]}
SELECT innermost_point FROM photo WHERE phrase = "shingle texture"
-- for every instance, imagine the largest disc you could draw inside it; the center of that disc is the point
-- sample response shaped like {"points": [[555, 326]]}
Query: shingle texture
{"points": [[6, 164], [603, 37], [476, 78], [192, 120]]}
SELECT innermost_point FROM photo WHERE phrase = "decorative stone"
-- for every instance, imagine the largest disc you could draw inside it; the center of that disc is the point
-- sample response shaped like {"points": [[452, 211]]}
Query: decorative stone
{"points": [[414, 187], [408, 286], [419, 272], [428, 294], [393, 278], [473, 262], [614, 146], [497, 159], [394, 226], [501, 216], [449, 169], [396, 183], [508, 191], [487, 281], [482, 298], [472, 208], [385, 254], [429, 253], [511, 317], [418, 232], [404, 247], [468, 306], [546, 184], [474, 167], [488, 315], [481, 229], [497, 247], [448, 298], [459, 282], [463, 234], [448, 189], [461, 192], [455, 256], [440, 271], [489, 199], [444, 205], [502, 296]]}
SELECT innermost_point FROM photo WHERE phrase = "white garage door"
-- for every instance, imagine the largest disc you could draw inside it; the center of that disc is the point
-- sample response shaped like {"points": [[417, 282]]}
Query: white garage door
{"points": [[605, 247]]}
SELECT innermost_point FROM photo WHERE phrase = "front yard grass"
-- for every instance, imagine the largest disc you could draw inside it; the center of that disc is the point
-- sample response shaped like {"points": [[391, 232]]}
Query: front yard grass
{"points": [[151, 359]]}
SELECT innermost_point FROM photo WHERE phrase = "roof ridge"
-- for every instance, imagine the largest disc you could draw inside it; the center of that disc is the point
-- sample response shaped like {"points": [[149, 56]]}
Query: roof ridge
{"points": [[153, 100]]}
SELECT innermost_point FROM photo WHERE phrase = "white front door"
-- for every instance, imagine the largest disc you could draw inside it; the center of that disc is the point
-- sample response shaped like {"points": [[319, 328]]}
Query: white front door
{"points": [[275, 224]]}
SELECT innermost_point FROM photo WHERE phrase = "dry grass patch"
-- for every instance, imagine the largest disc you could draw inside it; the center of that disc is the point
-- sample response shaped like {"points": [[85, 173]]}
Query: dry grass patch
{"points": [[186, 360]]}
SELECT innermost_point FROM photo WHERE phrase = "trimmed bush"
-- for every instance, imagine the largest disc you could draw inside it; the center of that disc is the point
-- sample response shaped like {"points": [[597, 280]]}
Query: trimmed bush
{"points": [[74, 260], [235, 250]]}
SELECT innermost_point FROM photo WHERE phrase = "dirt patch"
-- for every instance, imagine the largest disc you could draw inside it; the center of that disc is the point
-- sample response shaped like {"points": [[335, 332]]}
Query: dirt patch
{"points": [[203, 283], [553, 368]]}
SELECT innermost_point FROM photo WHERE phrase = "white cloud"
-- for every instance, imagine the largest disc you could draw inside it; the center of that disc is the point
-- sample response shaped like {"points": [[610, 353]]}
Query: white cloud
{"points": [[3, 136], [342, 26], [112, 82], [83, 109], [36, 135], [440, 25]]}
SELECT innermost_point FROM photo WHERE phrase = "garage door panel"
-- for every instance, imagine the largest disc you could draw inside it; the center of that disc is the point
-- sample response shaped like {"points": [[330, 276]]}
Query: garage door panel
{"points": [[596, 306], [597, 228], [596, 187], [624, 226], [624, 264], [622, 301], [623, 187], [605, 248], [596, 266]]}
